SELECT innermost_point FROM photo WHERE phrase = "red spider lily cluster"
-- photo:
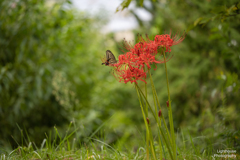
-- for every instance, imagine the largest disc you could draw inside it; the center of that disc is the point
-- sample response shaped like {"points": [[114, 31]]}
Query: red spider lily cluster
{"points": [[131, 65]]}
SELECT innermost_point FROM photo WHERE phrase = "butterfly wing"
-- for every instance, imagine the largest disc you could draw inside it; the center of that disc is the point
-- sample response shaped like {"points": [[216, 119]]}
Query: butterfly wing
{"points": [[110, 57]]}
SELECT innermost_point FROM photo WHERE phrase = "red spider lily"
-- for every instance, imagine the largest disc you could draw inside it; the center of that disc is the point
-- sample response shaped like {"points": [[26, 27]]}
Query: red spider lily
{"points": [[125, 70], [129, 74], [147, 59], [165, 40], [143, 46], [130, 67], [127, 58], [142, 53]]}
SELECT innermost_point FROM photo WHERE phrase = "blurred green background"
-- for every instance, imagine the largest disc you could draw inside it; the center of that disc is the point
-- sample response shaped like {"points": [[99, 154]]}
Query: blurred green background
{"points": [[51, 72]]}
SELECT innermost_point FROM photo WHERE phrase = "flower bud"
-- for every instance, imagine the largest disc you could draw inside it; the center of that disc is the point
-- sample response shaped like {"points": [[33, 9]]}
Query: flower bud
{"points": [[167, 103], [148, 121], [159, 113]]}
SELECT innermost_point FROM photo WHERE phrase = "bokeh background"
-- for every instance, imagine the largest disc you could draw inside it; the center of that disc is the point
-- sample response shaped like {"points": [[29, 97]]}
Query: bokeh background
{"points": [[51, 72]]}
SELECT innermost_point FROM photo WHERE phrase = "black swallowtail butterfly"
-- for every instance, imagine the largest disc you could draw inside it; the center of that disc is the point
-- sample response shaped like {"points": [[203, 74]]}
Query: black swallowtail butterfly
{"points": [[110, 58]]}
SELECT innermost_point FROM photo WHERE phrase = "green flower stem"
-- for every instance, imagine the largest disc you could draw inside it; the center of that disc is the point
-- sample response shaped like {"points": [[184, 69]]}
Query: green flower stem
{"points": [[155, 95], [148, 131], [154, 100], [162, 147], [156, 112], [152, 144], [147, 134], [145, 121], [165, 124], [147, 142], [170, 112], [146, 110], [141, 93], [159, 122], [168, 143]]}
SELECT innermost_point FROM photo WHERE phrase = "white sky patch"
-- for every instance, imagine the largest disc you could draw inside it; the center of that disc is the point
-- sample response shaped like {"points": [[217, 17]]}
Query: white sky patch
{"points": [[119, 21]]}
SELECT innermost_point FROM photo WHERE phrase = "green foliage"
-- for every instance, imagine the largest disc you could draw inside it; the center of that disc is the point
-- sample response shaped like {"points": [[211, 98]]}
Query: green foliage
{"points": [[28, 50], [222, 12], [126, 3], [50, 75], [123, 5], [204, 72], [49, 71]]}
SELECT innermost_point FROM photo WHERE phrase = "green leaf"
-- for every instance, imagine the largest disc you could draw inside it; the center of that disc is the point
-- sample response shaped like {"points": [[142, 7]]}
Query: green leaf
{"points": [[141, 3], [123, 5], [231, 10], [196, 22], [219, 9], [238, 5]]}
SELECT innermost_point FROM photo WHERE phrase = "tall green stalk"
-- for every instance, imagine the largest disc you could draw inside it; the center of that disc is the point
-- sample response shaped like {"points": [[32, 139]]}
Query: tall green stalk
{"points": [[149, 137], [146, 110], [167, 139], [155, 98], [170, 112]]}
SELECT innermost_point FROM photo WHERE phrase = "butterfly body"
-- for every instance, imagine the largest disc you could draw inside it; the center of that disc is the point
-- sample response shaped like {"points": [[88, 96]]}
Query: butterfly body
{"points": [[110, 58]]}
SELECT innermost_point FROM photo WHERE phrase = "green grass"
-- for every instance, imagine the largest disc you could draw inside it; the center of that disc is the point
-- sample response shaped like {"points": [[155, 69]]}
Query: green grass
{"points": [[68, 147], [67, 150]]}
